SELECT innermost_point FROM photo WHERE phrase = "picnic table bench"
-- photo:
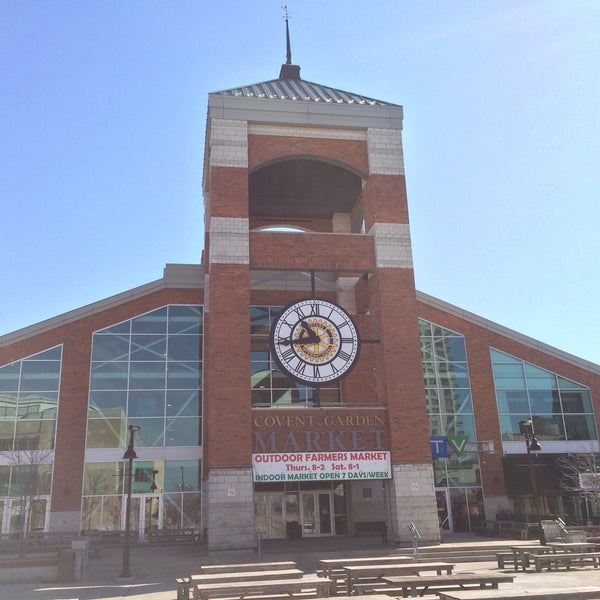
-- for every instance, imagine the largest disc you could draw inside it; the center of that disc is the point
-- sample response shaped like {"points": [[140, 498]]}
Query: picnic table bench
{"points": [[184, 583], [358, 575], [521, 554], [309, 583], [258, 566], [332, 568], [580, 593], [332, 565], [567, 559], [207, 578], [420, 585]]}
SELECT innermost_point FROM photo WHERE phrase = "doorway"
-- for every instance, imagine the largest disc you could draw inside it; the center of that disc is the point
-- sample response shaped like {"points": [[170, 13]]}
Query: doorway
{"points": [[444, 510], [316, 511]]}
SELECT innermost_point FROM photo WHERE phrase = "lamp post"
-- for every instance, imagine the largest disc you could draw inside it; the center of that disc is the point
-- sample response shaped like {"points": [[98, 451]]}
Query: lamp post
{"points": [[532, 445], [129, 456]]}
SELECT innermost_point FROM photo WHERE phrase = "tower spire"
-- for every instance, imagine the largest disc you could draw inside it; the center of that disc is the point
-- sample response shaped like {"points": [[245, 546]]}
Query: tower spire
{"points": [[288, 70], [288, 45]]}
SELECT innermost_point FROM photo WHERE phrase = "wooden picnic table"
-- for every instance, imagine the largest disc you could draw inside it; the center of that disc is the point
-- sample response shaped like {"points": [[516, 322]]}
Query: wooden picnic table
{"points": [[330, 565], [258, 566], [521, 554], [419, 585], [309, 583], [245, 576], [371, 573]]}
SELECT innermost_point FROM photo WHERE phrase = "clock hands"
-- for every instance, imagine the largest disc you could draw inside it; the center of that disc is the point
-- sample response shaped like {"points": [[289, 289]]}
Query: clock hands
{"points": [[310, 338]]}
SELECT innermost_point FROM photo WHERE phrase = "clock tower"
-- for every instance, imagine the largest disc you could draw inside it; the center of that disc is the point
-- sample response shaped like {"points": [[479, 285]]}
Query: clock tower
{"points": [[305, 199]]}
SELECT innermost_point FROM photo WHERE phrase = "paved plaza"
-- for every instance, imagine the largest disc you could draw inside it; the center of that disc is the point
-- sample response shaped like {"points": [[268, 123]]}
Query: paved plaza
{"points": [[154, 569]]}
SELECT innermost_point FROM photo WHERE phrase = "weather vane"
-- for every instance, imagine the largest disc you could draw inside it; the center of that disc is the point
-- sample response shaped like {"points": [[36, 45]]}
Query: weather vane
{"points": [[286, 15]]}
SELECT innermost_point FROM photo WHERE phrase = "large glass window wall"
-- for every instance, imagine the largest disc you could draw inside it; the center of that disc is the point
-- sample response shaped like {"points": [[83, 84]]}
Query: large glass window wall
{"points": [[29, 401], [148, 371], [29, 392], [450, 412], [165, 495], [561, 409], [270, 386]]}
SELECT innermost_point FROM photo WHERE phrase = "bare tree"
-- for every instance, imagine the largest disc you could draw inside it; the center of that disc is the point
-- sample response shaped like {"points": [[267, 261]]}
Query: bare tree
{"points": [[30, 475], [581, 474]]}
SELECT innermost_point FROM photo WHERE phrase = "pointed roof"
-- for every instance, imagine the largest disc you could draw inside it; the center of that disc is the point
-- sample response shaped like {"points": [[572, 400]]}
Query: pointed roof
{"points": [[290, 86], [298, 90]]}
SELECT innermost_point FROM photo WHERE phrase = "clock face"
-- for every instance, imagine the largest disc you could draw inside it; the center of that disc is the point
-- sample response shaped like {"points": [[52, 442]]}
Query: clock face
{"points": [[315, 341]]}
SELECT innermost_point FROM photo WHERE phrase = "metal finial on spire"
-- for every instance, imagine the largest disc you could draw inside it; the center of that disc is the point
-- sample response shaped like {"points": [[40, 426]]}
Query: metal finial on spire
{"points": [[288, 45], [288, 70]]}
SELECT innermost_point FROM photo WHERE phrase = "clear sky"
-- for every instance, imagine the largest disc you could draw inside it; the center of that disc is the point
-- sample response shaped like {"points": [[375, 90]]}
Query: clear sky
{"points": [[103, 111]]}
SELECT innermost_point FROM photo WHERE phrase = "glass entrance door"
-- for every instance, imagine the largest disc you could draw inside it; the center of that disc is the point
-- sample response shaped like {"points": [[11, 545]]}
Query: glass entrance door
{"points": [[151, 514], [316, 513], [268, 515], [443, 510]]}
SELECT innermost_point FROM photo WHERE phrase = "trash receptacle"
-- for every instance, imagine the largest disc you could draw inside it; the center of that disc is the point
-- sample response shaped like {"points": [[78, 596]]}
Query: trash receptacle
{"points": [[293, 530], [66, 567]]}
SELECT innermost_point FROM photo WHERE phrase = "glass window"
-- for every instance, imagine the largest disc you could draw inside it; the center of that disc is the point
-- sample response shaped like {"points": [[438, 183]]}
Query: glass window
{"points": [[185, 319], [35, 435], [148, 347], [542, 396], [7, 435], [151, 433], [581, 427], [109, 376], [9, 377], [575, 401], [512, 401], [147, 375], [146, 404], [110, 347], [183, 375], [41, 405], [544, 401], [182, 403], [138, 382], [182, 475], [183, 432], [152, 322], [107, 403], [103, 478], [548, 427], [184, 347], [106, 433], [509, 426], [40, 375], [449, 349]]}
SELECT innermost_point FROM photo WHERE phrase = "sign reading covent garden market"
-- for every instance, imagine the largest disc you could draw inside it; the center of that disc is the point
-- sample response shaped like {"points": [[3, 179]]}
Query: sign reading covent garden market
{"points": [[319, 447], [315, 341]]}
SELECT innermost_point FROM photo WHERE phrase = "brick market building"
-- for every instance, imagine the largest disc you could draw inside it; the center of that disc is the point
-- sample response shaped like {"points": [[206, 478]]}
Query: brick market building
{"points": [[311, 430]]}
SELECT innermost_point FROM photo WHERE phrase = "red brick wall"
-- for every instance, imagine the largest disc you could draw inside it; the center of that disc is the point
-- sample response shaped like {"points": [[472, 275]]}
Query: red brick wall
{"points": [[398, 365], [227, 403], [312, 251], [228, 192], [265, 148], [384, 200]]}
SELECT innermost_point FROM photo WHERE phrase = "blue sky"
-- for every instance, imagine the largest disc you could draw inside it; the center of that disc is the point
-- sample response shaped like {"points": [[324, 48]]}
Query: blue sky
{"points": [[103, 110]]}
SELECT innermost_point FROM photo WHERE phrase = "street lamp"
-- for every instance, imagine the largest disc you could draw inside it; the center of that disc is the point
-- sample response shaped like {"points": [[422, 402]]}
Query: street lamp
{"points": [[532, 445], [129, 456]]}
